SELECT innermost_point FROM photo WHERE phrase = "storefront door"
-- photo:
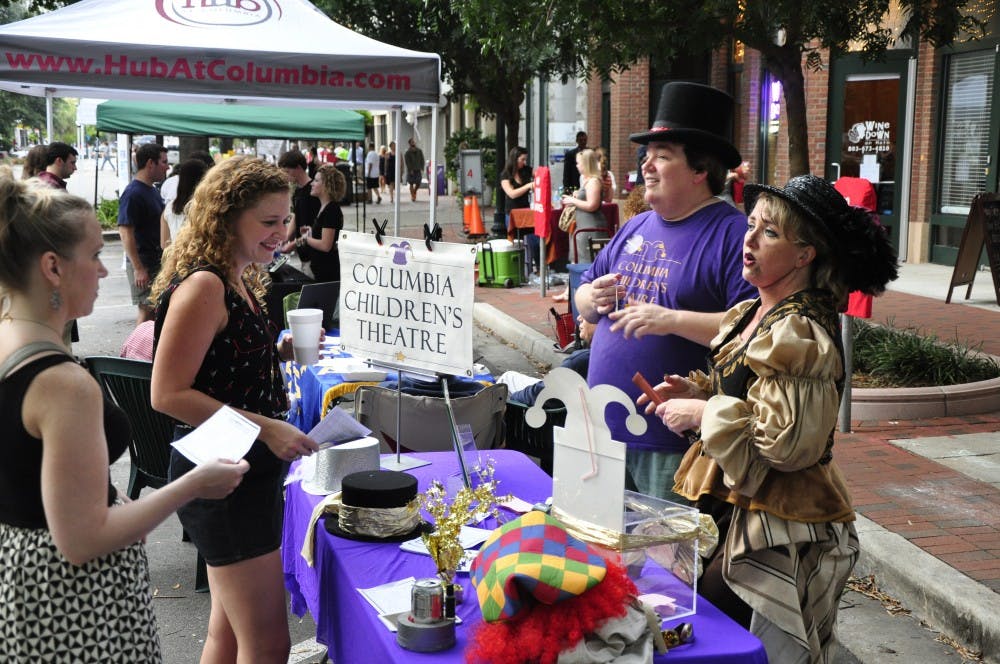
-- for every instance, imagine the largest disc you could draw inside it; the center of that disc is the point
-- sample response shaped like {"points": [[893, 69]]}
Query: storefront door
{"points": [[867, 129]]}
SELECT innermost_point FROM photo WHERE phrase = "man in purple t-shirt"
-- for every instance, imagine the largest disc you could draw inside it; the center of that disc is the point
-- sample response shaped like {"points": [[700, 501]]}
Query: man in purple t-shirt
{"points": [[657, 291]]}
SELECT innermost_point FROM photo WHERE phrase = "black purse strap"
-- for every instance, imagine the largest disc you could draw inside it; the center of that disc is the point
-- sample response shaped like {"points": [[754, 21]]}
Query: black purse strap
{"points": [[26, 351]]}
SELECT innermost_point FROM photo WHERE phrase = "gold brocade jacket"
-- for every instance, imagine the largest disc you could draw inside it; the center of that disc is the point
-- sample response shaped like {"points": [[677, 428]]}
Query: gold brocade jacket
{"points": [[767, 430]]}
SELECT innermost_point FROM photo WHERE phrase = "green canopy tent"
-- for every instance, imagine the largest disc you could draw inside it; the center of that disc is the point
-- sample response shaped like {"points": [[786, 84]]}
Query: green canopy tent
{"points": [[138, 117]]}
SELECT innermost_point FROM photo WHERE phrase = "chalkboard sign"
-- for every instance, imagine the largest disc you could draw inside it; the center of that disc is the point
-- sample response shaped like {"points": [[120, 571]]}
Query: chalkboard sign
{"points": [[981, 228]]}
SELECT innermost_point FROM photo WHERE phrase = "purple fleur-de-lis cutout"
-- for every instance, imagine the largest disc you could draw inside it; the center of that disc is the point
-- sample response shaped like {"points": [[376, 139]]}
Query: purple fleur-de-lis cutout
{"points": [[399, 256]]}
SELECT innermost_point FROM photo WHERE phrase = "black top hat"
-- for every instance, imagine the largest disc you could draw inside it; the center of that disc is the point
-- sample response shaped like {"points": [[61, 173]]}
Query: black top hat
{"points": [[697, 115], [866, 259], [377, 490]]}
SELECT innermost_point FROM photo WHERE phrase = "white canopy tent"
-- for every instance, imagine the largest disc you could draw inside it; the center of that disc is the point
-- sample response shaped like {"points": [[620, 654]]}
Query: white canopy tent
{"points": [[265, 53]]}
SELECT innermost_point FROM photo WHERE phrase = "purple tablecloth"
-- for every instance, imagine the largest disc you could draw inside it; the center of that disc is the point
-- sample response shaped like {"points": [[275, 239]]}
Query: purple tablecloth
{"points": [[348, 625]]}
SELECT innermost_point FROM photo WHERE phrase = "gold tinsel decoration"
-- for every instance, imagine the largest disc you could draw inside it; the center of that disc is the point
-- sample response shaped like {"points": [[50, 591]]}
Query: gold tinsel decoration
{"points": [[468, 504]]}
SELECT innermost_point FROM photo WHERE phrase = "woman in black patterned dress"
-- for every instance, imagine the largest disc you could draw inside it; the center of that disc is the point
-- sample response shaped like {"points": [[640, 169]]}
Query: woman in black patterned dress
{"points": [[213, 346], [74, 580]]}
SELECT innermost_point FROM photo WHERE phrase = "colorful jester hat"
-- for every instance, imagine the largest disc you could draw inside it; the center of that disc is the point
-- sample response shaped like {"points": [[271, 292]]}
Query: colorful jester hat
{"points": [[541, 590]]}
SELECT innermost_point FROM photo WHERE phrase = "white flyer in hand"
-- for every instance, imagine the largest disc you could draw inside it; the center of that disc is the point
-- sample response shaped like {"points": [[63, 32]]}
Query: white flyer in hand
{"points": [[338, 427], [225, 435]]}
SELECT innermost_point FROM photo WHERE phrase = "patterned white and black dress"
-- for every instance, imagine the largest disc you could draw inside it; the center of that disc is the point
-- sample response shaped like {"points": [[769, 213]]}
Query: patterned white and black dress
{"points": [[50, 609]]}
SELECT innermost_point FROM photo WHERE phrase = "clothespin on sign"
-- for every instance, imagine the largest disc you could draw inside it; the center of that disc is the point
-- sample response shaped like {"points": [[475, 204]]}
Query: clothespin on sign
{"points": [[431, 236], [379, 230]]}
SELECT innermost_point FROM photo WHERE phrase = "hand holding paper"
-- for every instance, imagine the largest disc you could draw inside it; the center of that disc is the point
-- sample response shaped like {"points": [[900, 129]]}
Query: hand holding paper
{"points": [[225, 435]]}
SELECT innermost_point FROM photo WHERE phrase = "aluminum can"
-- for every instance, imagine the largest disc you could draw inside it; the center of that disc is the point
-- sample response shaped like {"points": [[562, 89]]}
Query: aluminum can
{"points": [[427, 601]]}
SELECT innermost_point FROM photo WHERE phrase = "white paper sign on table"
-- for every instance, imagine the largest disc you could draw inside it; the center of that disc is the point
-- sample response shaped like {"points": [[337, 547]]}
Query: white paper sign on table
{"points": [[588, 467], [225, 435]]}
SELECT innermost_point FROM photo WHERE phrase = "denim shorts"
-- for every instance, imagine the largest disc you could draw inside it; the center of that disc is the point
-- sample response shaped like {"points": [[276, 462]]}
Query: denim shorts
{"points": [[246, 523]]}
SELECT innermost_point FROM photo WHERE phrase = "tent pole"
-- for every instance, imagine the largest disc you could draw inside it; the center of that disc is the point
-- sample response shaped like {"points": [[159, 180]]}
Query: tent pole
{"points": [[48, 115], [397, 118], [433, 175]]}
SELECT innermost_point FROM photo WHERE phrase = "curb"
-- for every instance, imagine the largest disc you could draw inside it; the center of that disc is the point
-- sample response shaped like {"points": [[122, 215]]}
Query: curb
{"points": [[947, 599], [529, 341]]}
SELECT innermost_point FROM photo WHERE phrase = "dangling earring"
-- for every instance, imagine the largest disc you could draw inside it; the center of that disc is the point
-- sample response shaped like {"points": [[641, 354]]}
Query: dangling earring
{"points": [[55, 301]]}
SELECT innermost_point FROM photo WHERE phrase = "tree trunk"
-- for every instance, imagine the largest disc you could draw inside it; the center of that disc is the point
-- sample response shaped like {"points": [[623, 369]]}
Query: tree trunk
{"points": [[785, 63], [189, 144]]}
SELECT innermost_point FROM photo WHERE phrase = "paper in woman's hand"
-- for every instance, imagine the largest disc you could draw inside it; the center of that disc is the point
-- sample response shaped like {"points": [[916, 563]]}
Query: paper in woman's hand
{"points": [[225, 435], [337, 427]]}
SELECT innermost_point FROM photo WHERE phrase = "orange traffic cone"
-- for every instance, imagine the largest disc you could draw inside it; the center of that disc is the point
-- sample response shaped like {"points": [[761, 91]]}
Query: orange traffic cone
{"points": [[476, 228], [467, 213]]}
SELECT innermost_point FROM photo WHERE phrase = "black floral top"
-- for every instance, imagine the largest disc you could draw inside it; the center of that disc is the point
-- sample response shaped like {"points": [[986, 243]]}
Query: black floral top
{"points": [[241, 366]]}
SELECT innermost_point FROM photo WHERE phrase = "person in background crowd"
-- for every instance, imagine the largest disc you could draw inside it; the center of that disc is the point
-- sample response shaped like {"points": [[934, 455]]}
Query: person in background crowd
{"points": [[383, 155], [390, 171], [60, 163], [108, 156], [635, 203], [304, 206], [214, 347], [767, 412], [525, 389], [587, 200], [168, 190], [571, 173], [139, 211], [609, 187], [35, 161], [74, 578], [312, 161], [139, 343], [413, 158], [516, 181], [372, 177], [329, 187], [189, 174]]}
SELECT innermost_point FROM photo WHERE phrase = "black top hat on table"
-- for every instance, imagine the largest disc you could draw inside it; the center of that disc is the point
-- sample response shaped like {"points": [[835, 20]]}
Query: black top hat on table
{"points": [[696, 115], [378, 506]]}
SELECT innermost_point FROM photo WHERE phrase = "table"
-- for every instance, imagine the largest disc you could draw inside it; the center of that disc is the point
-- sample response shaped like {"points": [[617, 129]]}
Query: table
{"points": [[348, 626], [558, 240], [313, 389]]}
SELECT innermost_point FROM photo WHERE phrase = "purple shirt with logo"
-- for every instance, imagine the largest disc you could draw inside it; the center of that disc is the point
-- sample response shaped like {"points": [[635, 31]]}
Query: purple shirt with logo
{"points": [[695, 265]]}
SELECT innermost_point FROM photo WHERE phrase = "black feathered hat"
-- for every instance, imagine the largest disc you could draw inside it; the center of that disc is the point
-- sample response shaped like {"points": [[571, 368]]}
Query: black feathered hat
{"points": [[696, 115], [866, 261]]}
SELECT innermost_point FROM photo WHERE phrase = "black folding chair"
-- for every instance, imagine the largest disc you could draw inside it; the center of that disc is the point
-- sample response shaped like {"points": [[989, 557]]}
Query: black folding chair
{"points": [[127, 382]]}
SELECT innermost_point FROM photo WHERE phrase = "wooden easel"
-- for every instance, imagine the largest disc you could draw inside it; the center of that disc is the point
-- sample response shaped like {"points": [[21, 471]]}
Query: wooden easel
{"points": [[981, 228]]}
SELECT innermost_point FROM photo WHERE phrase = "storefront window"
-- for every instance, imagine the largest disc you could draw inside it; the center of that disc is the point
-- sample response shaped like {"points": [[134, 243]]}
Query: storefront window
{"points": [[965, 147]]}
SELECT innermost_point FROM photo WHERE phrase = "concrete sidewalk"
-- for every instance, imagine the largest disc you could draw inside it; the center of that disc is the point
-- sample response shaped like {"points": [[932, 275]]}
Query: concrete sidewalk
{"points": [[927, 492]]}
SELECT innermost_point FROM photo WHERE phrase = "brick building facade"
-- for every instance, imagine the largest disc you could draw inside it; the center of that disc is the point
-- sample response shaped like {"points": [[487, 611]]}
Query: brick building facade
{"points": [[929, 227]]}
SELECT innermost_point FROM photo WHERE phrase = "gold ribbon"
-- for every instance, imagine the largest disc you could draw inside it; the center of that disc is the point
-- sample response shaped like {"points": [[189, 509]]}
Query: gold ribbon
{"points": [[373, 522], [662, 530]]}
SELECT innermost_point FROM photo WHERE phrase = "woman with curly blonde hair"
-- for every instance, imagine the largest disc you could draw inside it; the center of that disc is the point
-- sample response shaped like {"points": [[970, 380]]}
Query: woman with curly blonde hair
{"points": [[213, 347], [329, 186]]}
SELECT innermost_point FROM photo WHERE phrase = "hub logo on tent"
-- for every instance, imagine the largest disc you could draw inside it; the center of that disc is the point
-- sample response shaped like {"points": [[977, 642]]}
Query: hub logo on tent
{"points": [[218, 13]]}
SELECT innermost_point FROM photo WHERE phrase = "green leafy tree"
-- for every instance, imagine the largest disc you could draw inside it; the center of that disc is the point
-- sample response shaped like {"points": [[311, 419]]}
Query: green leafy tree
{"points": [[788, 34], [489, 49]]}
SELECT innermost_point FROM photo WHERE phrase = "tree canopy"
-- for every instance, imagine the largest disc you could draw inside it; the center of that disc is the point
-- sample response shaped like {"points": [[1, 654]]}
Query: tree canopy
{"points": [[494, 49]]}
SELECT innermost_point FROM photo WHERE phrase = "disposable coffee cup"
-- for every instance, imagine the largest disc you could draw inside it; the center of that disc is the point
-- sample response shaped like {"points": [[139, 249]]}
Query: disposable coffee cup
{"points": [[306, 325]]}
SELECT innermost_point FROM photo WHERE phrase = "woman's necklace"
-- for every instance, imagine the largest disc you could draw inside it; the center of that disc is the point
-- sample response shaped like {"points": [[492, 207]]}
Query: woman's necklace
{"points": [[8, 318]]}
